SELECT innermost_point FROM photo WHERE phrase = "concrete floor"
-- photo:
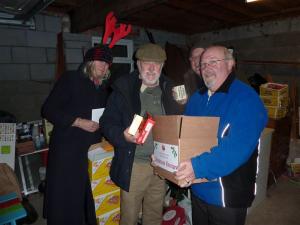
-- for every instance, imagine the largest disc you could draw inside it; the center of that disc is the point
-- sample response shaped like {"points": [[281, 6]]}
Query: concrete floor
{"points": [[281, 206]]}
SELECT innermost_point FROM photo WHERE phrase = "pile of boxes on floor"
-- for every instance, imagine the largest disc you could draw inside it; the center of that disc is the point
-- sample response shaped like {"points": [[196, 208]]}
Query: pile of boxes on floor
{"points": [[276, 99], [105, 193]]}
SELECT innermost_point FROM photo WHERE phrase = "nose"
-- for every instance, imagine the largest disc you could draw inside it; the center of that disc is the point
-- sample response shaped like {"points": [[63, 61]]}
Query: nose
{"points": [[151, 67]]}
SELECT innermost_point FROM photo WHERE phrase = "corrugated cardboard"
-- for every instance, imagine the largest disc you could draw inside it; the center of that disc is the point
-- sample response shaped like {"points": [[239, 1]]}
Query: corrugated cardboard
{"points": [[9, 182], [186, 136]]}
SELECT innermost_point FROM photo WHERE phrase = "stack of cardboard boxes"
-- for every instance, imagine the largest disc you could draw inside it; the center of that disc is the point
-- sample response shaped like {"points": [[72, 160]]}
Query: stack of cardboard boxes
{"points": [[276, 99], [106, 194]]}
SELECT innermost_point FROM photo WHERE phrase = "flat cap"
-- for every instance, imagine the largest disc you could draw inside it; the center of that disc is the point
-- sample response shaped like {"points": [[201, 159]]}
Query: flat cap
{"points": [[151, 52]]}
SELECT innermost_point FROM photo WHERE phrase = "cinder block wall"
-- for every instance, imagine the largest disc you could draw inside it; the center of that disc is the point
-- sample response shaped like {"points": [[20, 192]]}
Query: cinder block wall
{"points": [[276, 41], [27, 66], [28, 61]]}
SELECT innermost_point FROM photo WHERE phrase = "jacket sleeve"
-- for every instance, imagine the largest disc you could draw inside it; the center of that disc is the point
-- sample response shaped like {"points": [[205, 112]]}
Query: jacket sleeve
{"points": [[54, 107], [247, 120], [113, 121]]}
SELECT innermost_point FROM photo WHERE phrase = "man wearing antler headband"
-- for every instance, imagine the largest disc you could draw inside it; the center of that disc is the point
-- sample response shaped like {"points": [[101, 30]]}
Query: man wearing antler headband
{"points": [[144, 90], [68, 196]]}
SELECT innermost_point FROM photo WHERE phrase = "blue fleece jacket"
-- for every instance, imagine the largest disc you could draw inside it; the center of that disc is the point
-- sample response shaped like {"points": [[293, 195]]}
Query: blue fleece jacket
{"points": [[231, 167]]}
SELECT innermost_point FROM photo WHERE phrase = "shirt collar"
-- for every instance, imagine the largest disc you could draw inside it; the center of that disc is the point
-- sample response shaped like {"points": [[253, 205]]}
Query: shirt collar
{"points": [[224, 87]]}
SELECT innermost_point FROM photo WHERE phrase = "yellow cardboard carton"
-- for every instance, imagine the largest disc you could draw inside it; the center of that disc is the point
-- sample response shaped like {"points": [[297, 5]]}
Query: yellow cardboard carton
{"points": [[100, 156], [110, 218], [102, 186], [276, 112], [107, 202], [274, 89], [279, 101]]}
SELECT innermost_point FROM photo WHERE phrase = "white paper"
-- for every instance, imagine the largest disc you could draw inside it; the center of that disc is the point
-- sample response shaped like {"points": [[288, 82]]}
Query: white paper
{"points": [[96, 114]]}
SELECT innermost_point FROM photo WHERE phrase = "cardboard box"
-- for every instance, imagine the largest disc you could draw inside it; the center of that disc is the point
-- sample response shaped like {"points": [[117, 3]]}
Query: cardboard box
{"points": [[135, 124], [276, 112], [107, 202], [110, 218], [141, 127], [279, 101], [100, 156], [179, 138], [274, 90], [102, 186]]}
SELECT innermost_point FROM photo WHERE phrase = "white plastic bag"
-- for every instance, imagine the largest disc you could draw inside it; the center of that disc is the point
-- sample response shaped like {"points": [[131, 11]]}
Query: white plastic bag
{"points": [[186, 204]]}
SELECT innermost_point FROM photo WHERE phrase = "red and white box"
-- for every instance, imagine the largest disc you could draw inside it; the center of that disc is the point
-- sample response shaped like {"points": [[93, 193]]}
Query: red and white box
{"points": [[142, 127]]}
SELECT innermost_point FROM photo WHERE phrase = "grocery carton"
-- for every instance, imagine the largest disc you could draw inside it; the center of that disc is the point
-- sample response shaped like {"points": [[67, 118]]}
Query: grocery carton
{"points": [[110, 218], [273, 89], [102, 186], [107, 202], [179, 138], [100, 156]]}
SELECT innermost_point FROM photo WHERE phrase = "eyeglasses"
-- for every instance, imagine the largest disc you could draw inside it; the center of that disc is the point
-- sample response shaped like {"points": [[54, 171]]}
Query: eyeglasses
{"points": [[212, 63]]}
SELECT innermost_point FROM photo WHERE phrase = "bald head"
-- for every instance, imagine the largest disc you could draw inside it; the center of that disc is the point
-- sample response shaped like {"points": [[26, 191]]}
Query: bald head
{"points": [[216, 65]]}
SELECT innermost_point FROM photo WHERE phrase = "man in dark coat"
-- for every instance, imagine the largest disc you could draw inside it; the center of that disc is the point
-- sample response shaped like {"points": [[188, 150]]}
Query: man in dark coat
{"points": [[68, 196], [145, 90]]}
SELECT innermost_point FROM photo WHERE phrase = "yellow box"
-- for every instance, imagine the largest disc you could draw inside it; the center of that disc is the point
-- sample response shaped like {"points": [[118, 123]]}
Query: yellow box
{"points": [[274, 89], [279, 101], [102, 186], [276, 112], [295, 169], [107, 202], [99, 168], [100, 156], [110, 218]]}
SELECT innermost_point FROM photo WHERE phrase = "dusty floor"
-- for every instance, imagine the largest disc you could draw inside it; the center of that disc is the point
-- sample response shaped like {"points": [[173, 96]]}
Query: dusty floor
{"points": [[281, 206]]}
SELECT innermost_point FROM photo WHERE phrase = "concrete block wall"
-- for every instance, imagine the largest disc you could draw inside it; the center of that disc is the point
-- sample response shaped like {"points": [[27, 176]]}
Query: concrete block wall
{"points": [[28, 61], [27, 66], [276, 41]]}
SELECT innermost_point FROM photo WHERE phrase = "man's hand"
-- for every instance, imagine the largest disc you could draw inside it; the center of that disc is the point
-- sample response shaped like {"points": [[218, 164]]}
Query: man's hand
{"points": [[185, 172], [87, 125], [128, 137]]}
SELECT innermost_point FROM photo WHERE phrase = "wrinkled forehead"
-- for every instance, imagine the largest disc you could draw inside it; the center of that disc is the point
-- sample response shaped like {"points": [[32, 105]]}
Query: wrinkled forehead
{"points": [[213, 53]]}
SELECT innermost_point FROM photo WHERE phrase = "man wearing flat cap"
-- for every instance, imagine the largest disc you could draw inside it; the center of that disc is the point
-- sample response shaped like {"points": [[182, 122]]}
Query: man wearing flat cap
{"points": [[144, 90], [69, 108]]}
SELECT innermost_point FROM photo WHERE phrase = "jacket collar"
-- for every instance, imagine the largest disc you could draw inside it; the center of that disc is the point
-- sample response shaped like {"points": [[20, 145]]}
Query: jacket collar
{"points": [[224, 87]]}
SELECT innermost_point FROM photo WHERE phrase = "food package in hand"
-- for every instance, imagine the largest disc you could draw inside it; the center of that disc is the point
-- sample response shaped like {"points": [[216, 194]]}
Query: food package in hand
{"points": [[142, 127]]}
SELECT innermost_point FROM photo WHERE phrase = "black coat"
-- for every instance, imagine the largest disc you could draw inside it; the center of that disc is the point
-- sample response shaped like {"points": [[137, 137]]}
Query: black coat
{"points": [[68, 198], [122, 104]]}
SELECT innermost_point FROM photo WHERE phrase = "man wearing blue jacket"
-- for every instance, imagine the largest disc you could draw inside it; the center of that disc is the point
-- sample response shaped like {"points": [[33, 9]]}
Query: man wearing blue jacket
{"points": [[231, 167]]}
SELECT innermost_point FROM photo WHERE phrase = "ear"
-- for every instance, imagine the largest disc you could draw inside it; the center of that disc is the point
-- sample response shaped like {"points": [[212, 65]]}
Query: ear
{"points": [[230, 64]]}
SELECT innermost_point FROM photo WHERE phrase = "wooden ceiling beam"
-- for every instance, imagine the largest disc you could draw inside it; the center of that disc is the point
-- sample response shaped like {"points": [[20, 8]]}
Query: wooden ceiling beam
{"points": [[93, 14], [235, 7], [200, 9]]}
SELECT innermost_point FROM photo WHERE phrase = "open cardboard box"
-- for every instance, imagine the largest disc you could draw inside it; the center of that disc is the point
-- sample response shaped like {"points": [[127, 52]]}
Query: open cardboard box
{"points": [[179, 138]]}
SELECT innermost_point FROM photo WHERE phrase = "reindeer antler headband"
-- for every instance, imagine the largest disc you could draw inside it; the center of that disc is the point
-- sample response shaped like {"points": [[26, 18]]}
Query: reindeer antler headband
{"points": [[103, 52], [117, 33]]}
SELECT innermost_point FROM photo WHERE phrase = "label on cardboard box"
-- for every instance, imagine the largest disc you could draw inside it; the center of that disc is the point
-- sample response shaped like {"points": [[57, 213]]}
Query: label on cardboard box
{"points": [[166, 156]]}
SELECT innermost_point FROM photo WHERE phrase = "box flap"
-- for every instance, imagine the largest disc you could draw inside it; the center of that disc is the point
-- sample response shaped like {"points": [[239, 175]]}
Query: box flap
{"points": [[165, 124], [199, 127]]}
